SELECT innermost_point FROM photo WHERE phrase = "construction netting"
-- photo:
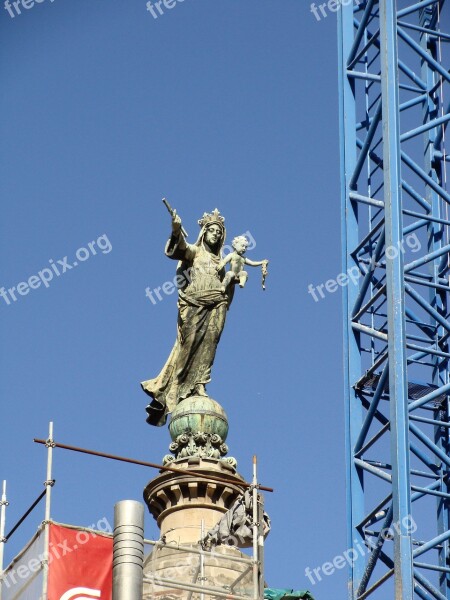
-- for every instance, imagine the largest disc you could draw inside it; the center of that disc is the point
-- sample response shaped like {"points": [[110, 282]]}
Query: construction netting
{"points": [[61, 561], [189, 573], [23, 578]]}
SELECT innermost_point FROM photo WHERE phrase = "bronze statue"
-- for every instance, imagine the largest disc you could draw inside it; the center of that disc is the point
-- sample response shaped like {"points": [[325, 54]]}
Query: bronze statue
{"points": [[203, 301]]}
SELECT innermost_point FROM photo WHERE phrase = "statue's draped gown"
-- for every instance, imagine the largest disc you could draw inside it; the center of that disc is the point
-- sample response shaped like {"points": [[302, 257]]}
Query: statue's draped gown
{"points": [[202, 308]]}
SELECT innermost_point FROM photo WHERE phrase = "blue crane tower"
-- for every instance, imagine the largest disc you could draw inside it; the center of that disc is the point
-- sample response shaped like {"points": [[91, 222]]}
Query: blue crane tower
{"points": [[394, 91]]}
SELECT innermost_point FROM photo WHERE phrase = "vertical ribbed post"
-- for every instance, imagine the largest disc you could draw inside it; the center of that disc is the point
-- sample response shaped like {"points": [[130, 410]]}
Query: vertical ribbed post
{"points": [[128, 553]]}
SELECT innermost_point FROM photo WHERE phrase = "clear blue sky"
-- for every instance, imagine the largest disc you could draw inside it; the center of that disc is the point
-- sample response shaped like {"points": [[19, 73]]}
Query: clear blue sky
{"points": [[229, 103]]}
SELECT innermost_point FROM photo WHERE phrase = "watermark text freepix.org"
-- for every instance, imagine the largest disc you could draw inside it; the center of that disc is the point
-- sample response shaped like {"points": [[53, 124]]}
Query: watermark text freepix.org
{"points": [[57, 268], [55, 552], [354, 273], [156, 10], [320, 11], [351, 555], [14, 7]]}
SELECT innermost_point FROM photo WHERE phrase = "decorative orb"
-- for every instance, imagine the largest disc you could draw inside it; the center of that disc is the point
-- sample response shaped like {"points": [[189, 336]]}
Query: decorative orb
{"points": [[198, 414]]}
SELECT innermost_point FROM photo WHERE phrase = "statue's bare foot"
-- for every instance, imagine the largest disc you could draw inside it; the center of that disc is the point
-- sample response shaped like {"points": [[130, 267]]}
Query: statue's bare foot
{"points": [[201, 390]]}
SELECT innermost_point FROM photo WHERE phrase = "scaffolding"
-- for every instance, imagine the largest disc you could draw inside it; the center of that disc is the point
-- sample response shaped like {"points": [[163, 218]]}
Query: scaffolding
{"points": [[197, 574], [241, 577], [39, 578], [247, 584]]}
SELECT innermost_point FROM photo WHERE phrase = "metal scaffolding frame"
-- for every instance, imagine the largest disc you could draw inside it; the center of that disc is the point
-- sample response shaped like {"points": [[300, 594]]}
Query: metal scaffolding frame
{"points": [[255, 563], [394, 93], [200, 588], [3, 505], [48, 484]]}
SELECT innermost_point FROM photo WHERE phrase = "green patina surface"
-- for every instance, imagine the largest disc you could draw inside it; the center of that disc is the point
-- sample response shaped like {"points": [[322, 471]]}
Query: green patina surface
{"points": [[199, 414], [286, 594]]}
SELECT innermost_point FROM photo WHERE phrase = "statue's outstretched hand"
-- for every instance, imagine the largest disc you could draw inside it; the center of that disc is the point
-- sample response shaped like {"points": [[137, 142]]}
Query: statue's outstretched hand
{"points": [[176, 222]]}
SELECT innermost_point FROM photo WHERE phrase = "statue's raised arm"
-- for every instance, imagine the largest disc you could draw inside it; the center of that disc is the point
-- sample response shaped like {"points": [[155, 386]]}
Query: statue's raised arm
{"points": [[177, 247]]}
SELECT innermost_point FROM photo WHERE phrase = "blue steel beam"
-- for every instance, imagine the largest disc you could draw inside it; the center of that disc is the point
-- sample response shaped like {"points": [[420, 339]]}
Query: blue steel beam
{"points": [[401, 484], [438, 298], [352, 359]]}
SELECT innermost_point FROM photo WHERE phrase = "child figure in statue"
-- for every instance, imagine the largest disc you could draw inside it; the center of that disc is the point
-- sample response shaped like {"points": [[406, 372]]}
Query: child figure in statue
{"points": [[237, 261]]}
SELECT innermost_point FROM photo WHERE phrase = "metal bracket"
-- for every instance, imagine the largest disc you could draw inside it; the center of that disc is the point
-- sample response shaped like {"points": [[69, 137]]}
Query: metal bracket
{"points": [[50, 443], [49, 482]]}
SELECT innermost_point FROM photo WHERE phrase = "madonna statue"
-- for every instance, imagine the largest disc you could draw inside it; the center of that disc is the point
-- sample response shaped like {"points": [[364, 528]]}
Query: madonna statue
{"points": [[202, 308]]}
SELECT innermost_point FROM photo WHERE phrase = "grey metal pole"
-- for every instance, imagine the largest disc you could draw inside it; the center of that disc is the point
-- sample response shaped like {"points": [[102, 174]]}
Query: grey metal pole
{"points": [[202, 560], [261, 544], [255, 533], [48, 503], [3, 504], [128, 553]]}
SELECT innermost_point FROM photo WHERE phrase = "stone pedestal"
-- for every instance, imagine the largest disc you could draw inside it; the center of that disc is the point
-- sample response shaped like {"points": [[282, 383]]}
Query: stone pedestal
{"points": [[180, 503], [186, 505]]}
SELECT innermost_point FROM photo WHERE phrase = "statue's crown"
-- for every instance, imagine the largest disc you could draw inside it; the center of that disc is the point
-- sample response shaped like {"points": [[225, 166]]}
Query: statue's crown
{"points": [[210, 218]]}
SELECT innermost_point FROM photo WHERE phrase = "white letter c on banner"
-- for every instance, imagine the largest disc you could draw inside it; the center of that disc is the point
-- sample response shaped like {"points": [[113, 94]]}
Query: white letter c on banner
{"points": [[74, 594]]}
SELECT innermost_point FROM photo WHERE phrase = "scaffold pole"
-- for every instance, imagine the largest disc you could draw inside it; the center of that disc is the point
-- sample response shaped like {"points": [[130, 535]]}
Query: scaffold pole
{"points": [[49, 482], [256, 568], [3, 505]]}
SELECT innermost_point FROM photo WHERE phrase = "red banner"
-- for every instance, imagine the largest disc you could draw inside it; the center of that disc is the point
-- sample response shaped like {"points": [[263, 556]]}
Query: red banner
{"points": [[80, 565]]}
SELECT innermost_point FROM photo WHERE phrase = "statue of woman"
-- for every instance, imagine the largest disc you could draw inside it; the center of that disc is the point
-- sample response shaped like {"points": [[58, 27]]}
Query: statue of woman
{"points": [[202, 308]]}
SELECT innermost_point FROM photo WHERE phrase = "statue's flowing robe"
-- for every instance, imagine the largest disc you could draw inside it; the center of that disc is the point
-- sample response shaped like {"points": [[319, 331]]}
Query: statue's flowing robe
{"points": [[202, 308]]}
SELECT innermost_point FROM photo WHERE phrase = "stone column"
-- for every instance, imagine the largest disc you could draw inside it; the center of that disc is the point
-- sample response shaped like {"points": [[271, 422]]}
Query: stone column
{"points": [[183, 503]]}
